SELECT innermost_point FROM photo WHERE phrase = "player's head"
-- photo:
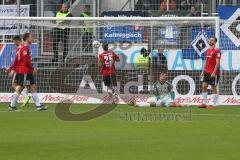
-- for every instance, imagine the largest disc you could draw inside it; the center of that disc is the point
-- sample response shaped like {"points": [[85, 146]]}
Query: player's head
{"points": [[160, 49], [27, 38], [87, 8], [212, 41], [105, 46], [64, 7], [144, 52], [193, 9], [17, 40], [163, 76]]}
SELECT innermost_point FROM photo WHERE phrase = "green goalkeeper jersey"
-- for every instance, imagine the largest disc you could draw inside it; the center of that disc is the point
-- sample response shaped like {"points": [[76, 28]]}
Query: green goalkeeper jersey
{"points": [[162, 90]]}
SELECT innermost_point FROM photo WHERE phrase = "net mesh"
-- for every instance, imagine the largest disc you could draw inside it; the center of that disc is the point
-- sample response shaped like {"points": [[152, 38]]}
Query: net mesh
{"points": [[182, 42]]}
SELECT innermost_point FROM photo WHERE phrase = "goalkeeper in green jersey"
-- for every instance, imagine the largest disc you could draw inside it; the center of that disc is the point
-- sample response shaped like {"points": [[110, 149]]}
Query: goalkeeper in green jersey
{"points": [[164, 95]]}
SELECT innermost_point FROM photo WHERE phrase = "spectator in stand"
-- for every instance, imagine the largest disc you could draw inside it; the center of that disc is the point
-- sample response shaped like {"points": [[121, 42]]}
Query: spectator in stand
{"points": [[162, 60], [159, 63], [205, 8], [184, 5], [8, 2], [87, 30], [61, 33], [163, 5], [194, 12]]}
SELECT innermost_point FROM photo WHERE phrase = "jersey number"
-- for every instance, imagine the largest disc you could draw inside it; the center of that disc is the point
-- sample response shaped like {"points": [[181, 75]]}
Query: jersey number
{"points": [[108, 60]]}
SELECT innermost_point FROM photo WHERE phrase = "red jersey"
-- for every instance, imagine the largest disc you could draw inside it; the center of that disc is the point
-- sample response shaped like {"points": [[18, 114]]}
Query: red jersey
{"points": [[108, 59], [211, 56], [22, 63], [13, 66]]}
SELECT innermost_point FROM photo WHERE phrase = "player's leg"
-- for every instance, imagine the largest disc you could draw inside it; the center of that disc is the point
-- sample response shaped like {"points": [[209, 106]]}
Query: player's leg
{"points": [[113, 86], [65, 45], [107, 83], [90, 41], [214, 82], [56, 39], [14, 84], [150, 103], [18, 80], [166, 101], [144, 104], [85, 41], [15, 97], [24, 93], [206, 80], [36, 99], [26, 96]]}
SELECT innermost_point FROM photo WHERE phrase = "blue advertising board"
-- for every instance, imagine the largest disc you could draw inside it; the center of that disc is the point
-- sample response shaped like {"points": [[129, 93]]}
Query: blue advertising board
{"points": [[190, 52], [229, 33], [8, 52], [112, 33]]}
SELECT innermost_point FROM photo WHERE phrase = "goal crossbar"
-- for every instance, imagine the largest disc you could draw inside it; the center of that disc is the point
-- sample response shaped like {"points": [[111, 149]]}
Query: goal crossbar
{"points": [[115, 18]]}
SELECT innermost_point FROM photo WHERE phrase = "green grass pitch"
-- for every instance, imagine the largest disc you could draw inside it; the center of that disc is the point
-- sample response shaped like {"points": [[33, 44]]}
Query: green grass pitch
{"points": [[32, 135]]}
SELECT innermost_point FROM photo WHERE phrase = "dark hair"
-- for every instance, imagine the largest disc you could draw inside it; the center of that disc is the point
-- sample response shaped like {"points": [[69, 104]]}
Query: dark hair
{"points": [[163, 72], [194, 7], [17, 38], [66, 4], [87, 6], [214, 38], [25, 36], [143, 50], [105, 46]]}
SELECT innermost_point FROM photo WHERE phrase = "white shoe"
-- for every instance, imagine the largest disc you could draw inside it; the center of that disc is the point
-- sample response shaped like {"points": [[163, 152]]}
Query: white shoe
{"points": [[42, 108]]}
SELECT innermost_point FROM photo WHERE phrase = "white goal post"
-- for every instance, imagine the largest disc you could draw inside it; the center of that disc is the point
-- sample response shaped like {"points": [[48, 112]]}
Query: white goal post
{"points": [[184, 40]]}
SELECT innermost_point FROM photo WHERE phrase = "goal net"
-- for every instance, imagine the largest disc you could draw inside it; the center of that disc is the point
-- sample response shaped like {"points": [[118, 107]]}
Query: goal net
{"points": [[67, 61]]}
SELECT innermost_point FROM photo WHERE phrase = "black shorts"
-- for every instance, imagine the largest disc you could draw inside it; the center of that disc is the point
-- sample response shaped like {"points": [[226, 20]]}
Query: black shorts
{"points": [[211, 80], [23, 79], [110, 80]]}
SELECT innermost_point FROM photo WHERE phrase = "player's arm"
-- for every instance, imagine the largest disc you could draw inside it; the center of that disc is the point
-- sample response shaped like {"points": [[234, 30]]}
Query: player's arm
{"points": [[116, 58], [13, 66], [204, 65], [171, 92], [100, 63], [156, 91], [27, 60], [218, 56]]}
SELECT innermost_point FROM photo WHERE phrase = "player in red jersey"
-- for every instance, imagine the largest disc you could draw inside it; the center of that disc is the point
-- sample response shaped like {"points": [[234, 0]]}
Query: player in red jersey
{"points": [[211, 74], [24, 74], [11, 70], [107, 61]]}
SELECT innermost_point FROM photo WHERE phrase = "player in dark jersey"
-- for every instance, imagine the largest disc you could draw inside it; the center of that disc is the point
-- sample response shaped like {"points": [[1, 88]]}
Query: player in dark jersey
{"points": [[211, 74], [107, 68], [24, 74]]}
